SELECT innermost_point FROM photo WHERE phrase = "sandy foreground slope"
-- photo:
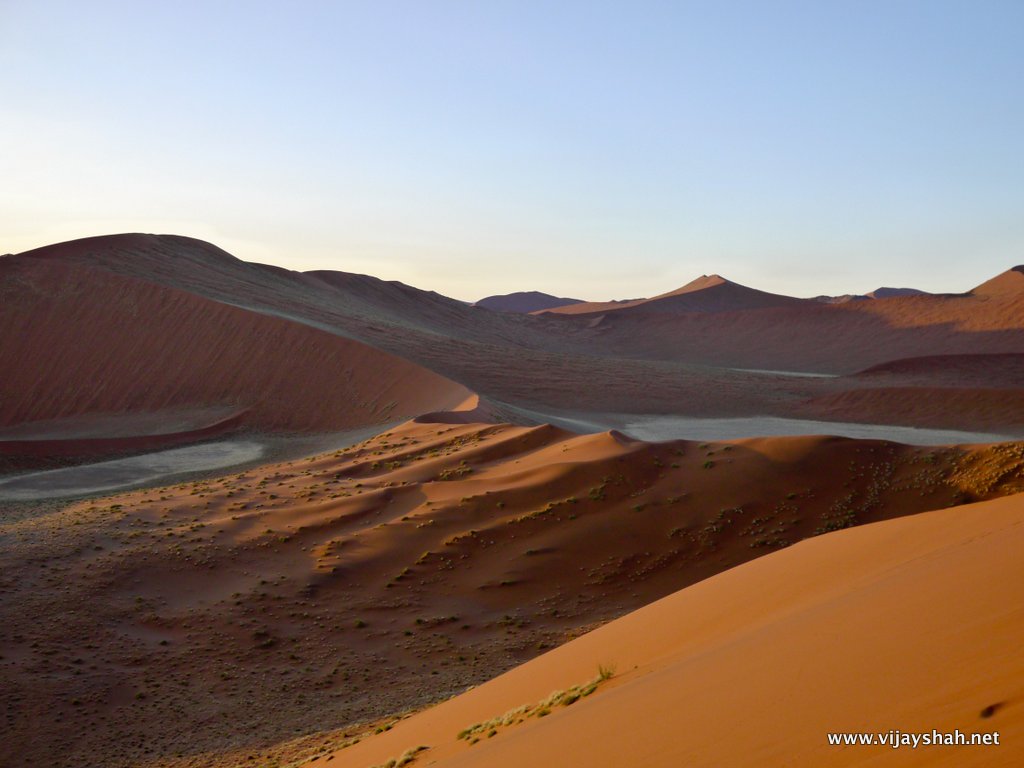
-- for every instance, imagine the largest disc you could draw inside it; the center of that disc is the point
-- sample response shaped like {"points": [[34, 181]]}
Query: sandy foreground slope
{"points": [[911, 624], [215, 621]]}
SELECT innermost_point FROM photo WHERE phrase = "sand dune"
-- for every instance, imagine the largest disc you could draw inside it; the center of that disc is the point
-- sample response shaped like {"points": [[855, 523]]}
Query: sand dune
{"points": [[708, 293], [221, 617], [1008, 283], [86, 341], [911, 624]]}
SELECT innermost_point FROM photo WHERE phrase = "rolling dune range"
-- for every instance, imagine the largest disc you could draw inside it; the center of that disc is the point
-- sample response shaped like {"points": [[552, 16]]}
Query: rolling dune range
{"points": [[273, 614]]}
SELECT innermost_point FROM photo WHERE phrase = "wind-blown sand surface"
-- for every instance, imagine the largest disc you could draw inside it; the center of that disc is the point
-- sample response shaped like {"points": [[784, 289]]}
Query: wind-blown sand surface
{"points": [[911, 624], [215, 620]]}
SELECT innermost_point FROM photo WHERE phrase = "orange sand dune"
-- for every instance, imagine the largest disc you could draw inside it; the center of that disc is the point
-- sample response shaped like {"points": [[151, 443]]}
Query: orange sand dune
{"points": [[86, 341], [911, 624], [220, 617], [1010, 282]]}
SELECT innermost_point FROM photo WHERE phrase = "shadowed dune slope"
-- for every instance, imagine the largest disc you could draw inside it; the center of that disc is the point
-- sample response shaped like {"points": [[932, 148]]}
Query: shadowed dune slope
{"points": [[911, 624], [935, 391], [354, 305], [977, 370], [80, 340], [925, 406]]}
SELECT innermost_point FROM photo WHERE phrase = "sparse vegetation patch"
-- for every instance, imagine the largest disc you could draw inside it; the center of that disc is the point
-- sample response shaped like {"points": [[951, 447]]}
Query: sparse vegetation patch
{"points": [[542, 708]]}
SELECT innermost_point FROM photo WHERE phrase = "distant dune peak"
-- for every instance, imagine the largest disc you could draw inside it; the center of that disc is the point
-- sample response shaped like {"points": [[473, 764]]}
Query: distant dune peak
{"points": [[124, 240], [699, 284], [879, 293], [525, 302], [888, 293], [714, 293], [1009, 282], [707, 293]]}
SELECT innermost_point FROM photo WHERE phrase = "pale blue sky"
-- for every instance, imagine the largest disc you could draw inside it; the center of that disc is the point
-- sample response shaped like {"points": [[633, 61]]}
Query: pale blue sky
{"points": [[591, 148]]}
